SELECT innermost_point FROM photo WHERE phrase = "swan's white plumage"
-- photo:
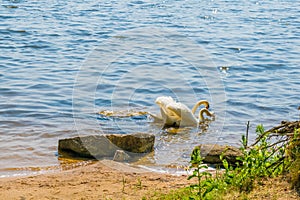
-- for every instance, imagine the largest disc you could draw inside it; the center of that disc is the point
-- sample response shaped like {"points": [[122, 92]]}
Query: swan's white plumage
{"points": [[186, 116], [167, 116], [178, 114]]}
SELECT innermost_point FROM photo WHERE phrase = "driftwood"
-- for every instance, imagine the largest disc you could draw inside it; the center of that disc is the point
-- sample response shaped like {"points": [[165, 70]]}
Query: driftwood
{"points": [[285, 130]]}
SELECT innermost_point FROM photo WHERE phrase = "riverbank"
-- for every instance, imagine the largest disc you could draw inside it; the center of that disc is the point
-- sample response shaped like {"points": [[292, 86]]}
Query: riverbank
{"points": [[112, 180], [101, 180]]}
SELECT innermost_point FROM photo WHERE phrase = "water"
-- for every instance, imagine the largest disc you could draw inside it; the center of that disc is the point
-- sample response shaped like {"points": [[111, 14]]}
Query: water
{"points": [[63, 62]]}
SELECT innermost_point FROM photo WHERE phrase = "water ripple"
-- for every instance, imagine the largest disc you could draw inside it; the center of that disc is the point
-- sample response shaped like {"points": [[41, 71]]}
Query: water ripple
{"points": [[44, 44]]}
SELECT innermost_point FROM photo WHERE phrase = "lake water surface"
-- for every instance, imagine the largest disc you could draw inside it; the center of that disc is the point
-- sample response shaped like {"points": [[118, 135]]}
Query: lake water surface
{"points": [[63, 62]]}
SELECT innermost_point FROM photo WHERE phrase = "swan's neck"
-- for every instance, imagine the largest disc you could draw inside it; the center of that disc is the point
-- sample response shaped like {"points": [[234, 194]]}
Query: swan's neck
{"points": [[204, 102], [201, 113]]}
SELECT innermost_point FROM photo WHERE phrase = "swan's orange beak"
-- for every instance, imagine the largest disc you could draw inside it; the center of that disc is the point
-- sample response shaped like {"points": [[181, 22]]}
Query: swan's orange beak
{"points": [[207, 107]]}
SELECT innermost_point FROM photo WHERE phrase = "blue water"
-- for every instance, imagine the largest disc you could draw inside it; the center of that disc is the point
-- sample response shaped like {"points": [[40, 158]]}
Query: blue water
{"points": [[63, 62]]}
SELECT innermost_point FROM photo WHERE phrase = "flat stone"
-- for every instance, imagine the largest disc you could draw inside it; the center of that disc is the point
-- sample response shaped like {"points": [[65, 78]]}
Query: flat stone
{"points": [[93, 146], [136, 143], [212, 152], [101, 146]]}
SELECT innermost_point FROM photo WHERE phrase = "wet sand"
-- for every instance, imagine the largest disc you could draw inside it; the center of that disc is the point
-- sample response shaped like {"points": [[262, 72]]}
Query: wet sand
{"points": [[101, 180]]}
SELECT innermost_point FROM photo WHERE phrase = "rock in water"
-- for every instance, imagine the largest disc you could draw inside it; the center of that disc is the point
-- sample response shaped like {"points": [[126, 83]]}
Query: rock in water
{"points": [[136, 143], [211, 153], [94, 146], [100, 146]]}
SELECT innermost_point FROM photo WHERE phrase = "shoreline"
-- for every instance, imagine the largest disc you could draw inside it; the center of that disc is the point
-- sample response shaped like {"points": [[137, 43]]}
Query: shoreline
{"points": [[72, 164], [108, 179], [101, 180]]}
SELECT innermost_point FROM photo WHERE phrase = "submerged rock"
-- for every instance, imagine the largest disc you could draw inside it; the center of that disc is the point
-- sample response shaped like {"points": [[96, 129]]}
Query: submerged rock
{"points": [[212, 152], [101, 146]]}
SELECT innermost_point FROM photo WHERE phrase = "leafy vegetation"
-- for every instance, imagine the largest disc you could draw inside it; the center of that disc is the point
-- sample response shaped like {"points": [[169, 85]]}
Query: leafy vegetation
{"points": [[202, 187], [293, 152], [266, 158]]}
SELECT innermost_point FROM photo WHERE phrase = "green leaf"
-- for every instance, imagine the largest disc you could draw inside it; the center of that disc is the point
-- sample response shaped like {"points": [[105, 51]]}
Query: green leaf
{"points": [[260, 129]]}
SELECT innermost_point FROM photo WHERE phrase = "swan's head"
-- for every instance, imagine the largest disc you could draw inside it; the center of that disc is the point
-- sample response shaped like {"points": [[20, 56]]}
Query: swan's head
{"points": [[207, 106], [164, 100], [205, 103], [207, 112]]}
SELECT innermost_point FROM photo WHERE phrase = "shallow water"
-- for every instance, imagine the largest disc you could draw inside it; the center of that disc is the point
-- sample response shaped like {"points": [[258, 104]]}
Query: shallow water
{"points": [[63, 62]]}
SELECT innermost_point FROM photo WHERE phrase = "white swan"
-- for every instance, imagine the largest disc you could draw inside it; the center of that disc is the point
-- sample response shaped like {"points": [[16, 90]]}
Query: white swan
{"points": [[187, 117], [177, 114], [167, 116]]}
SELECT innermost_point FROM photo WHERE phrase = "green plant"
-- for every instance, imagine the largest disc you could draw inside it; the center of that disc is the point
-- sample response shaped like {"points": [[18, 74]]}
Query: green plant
{"points": [[178, 194], [203, 187], [123, 184], [260, 160], [293, 151], [139, 183], [265, 158]]}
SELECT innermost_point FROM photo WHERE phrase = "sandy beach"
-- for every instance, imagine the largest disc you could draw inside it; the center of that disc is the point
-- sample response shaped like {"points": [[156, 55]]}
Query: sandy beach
{"points": [[100, 180], [111, 180]]}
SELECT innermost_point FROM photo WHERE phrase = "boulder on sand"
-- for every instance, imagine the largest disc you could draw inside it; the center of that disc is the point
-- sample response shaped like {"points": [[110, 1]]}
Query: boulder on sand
{"points": [[101, 146], [121, 156]]}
